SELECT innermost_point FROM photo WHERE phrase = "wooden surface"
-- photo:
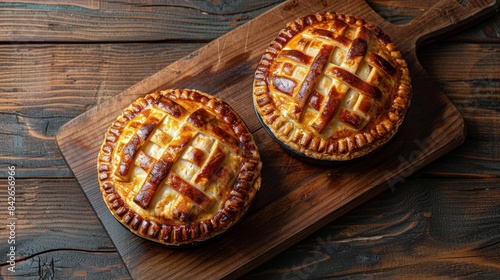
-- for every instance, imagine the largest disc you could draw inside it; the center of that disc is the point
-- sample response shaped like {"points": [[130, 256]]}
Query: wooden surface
{"points": [[292, 205], [65, 58]]}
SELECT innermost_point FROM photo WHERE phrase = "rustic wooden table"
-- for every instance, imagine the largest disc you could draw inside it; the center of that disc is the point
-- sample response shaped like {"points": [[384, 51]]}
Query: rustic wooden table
{"points": [[60, 58]]}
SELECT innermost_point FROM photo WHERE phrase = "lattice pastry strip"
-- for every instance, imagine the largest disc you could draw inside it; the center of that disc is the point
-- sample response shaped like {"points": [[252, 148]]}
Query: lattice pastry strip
{"points": [[161, 168], [178, 160]]}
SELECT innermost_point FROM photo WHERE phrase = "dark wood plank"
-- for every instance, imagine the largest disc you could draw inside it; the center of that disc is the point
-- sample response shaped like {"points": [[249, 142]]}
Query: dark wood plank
{"points": [[46, 211], [57, 233], [120, 21], [462, 73], [484, 32], [475, 92], [425, 228], [69, 264], [402, 12]]}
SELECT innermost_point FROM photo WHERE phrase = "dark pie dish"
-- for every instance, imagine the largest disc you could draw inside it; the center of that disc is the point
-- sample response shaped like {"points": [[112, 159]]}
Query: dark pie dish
{"points": [[331, 88], [178, 167]]}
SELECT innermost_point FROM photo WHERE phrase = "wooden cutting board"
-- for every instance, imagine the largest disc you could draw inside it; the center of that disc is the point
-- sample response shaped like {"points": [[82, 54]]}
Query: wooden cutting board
{"points": [[296, 198]]}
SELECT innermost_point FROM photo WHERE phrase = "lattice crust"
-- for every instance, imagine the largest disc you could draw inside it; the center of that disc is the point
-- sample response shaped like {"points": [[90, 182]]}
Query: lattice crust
{"points": [[332, 87], [178, 166]]}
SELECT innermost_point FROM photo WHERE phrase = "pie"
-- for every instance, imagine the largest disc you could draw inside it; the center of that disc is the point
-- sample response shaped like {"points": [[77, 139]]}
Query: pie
{"points": [[178, 167], [331, 87]]}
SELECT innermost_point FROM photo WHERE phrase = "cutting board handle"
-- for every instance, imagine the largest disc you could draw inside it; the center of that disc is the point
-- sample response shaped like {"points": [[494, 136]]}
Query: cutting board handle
{"points": [[444, 17]]}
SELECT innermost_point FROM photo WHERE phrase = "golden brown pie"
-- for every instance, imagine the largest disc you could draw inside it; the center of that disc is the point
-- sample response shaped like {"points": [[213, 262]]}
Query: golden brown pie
{"points": [[331, 87], [178, 167]]}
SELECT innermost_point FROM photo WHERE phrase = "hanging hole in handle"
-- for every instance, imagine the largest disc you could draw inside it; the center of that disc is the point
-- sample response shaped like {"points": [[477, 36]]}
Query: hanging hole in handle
{"points": [[464, 3]]}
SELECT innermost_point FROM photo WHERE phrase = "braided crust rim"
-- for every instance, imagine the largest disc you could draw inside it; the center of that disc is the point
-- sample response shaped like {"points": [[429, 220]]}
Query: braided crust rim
{"points": [[240, 194], [310, 144]]}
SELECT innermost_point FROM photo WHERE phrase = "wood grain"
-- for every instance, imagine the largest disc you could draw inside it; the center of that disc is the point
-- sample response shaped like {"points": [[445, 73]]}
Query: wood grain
{"points": [[121, 21], [48, 240], [70, 264], [327, 192], [396, 234], [26, 65]]}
